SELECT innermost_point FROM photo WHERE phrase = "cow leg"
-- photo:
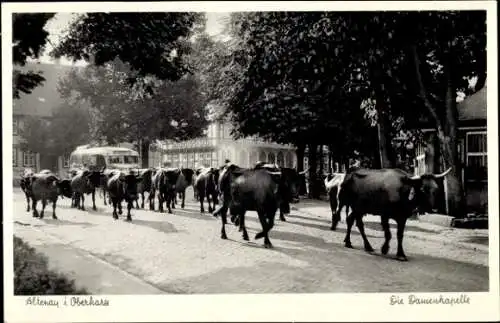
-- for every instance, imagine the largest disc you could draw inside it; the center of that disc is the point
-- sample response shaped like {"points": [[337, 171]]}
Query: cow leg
{"points": [[202, 197], [104, 196], [361, 228], [333, 207], [151, 198], [44, 204], [129, 206], [115, 205], [137, 202], [83, 202], [387, 234], [210, 203], [27, 203], [54, 209], [183, 198], [170, 202], [350, 221], [265, 229], [223, 229], [120, 211], [35, 212], [243, 227], [142, 200], [401, 230], [93, 201]]}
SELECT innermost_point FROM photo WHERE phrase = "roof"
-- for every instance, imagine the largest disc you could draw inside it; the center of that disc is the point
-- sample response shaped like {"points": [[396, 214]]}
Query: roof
{"points": [[473, 107], [44, 98], [104, 150]]}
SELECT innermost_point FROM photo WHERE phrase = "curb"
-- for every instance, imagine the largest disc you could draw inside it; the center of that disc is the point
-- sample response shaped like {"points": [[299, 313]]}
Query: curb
{"points": [[469, 246]]}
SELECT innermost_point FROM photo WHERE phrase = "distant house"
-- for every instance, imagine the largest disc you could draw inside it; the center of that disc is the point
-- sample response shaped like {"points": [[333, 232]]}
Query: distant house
{"points": [[41, 103], [218, 145], [472, 149]]}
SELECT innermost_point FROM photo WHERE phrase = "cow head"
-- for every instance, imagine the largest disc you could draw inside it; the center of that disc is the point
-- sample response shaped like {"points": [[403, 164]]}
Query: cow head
{"points": [[426, 190], [188, 174], [64, 188], [291, 180], [130, 182]]}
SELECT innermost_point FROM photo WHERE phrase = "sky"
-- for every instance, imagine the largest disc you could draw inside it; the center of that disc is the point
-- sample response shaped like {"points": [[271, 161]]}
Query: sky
{"points": [[58, 25]]}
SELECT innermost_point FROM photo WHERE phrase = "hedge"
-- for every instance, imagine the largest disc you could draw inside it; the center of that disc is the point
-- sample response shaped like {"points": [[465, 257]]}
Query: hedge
{"points": [[32, 275]]}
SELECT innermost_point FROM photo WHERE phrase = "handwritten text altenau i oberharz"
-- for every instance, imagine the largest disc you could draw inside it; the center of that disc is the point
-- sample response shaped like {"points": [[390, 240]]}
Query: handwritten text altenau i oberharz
{"points": [[66, 301]]}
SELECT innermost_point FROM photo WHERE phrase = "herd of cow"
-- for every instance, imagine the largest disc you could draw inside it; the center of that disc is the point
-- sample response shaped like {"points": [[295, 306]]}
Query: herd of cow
{"points": [[264, 188]]}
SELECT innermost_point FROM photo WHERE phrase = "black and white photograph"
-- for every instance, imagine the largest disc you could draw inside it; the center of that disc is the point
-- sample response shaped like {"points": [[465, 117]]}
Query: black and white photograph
{"points": [[253, 161]]}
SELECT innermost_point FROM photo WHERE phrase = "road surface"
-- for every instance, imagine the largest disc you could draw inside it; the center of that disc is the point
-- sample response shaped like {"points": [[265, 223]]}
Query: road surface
{"points": [[183, 253]]}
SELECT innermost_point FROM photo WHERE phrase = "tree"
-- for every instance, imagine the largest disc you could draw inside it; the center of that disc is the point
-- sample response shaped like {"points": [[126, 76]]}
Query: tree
{"points": [[151, 109], [58, 134], [29, 38], [152, 44]]}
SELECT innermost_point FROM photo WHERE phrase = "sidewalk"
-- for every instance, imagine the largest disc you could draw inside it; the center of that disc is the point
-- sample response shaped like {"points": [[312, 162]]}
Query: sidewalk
{"points": [[472, 239], [88, 271]]}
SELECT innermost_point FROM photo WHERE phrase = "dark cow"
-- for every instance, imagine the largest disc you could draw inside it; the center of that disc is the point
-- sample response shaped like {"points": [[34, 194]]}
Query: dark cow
{"points": [[250, 190], [184, 180], [123, 187], [207, 187], [163, 184], [46, 187], [144, 185], [25, 184], [85, 182], [289, 183], [390, 193], [103, 182]]}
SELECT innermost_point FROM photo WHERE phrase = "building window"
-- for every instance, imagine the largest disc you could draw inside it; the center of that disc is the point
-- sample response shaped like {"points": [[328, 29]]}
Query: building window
{"points": [[271, 158], [280, 159], [476, 156], [15, 126], [14, 157], [262, 156], [65, 159], [29, 159]]}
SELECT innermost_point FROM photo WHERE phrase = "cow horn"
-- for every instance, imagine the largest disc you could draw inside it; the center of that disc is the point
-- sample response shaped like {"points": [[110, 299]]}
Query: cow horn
{"points": [[415, 177], [304, 171], [274, 173], [443, 174]]}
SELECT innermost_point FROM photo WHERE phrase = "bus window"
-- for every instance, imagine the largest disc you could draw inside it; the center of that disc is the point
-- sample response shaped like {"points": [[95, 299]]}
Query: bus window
{"points": [[100, 161], [114, 160], [131, 159]]}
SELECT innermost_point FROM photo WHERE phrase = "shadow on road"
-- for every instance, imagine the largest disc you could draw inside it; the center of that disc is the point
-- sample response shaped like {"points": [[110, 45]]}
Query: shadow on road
{"points": [[63, 222], [409, 228], [164, 227]]}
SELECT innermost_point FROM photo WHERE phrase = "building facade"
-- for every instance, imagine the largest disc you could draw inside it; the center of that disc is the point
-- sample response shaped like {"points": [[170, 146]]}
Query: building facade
{"points": [[40, 103], [218, 145], [472, 150]]}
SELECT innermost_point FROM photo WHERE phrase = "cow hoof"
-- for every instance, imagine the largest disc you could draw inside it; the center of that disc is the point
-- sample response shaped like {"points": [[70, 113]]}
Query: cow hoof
{"points": [[348, 245], [170, 211], [54, 217], [332, 228], [202, 211], [385, 249], [246, 238], [128, 219], [282, 218], [94, 208], [401, 258], [369, 249], [223, 236], [120, 212], [268, 245]]}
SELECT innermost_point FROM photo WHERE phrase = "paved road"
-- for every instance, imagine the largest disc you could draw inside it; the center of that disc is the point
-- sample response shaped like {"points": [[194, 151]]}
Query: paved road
{"points": [[183, 253]]}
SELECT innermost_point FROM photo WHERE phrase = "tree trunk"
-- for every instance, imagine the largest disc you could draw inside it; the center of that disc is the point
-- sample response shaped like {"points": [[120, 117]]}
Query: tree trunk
{"points": [[300, 157], [313, 167], [145, 153], [447, 134], [384, 140], [321, 160], [449, 148]]}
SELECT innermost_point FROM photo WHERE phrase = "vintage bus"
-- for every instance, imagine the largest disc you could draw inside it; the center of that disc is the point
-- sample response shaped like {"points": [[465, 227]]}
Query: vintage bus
{"points": [[104, 157]]}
